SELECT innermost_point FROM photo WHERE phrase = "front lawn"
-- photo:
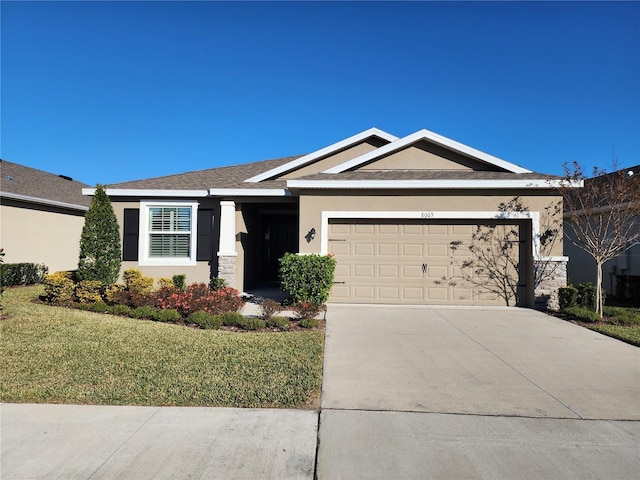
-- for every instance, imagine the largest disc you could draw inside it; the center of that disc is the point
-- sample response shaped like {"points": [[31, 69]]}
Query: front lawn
{"points": [[622, 323], [60, 355]]}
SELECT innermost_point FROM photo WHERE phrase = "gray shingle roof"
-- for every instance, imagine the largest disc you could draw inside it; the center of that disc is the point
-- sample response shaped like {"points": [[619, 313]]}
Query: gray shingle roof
{"points": [[221, 177], [40, 186]]}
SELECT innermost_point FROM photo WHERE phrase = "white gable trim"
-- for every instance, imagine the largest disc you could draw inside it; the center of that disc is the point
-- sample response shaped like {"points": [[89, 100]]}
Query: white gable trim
{"points": [[424, 184], [249, 192], [287, 167], [431, 137]]}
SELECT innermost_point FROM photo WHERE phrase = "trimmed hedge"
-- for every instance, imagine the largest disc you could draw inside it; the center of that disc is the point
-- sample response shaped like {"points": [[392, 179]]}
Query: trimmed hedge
{"points": [[307, 278], [12, 274]]}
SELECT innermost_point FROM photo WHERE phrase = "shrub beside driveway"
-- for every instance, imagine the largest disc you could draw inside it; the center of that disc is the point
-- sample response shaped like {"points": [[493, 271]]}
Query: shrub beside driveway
{"points": [[59, 355]]}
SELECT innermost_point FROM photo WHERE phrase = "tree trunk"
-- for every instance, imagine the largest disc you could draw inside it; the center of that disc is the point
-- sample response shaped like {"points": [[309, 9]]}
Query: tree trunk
{"points": [[599, 288]]}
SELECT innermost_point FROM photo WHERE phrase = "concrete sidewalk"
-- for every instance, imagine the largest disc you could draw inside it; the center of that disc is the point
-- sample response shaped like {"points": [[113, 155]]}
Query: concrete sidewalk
{"points": [[81, 442]]}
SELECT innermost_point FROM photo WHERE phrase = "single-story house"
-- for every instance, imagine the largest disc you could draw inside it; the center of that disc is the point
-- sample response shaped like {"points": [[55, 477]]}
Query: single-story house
{"points": [[42, 216], [582, 267], [386, 207]]}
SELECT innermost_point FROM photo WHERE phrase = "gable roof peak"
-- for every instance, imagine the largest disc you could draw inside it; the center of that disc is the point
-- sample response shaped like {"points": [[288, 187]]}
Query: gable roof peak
{"points": [[432, 137], [323, 152]]}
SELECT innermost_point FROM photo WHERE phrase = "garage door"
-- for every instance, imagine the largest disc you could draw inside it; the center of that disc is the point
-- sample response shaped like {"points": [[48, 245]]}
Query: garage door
{"points": [[411, 262]]}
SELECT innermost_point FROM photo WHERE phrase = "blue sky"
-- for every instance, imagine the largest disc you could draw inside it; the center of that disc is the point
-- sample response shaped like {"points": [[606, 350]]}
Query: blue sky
{"points": [[114, 91]]}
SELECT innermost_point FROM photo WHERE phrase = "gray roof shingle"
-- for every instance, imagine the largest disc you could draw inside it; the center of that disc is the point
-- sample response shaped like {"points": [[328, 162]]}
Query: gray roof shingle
{"points": [[221, 177], [39, 185]]}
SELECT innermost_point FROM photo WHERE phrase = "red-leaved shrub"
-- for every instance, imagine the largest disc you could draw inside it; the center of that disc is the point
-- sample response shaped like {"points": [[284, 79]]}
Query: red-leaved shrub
{"points": [[198, 297]]}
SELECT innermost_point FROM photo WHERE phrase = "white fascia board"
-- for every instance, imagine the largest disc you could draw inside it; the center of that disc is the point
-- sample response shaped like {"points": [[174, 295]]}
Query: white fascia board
{"points": [[43, 201], [347, 142], [249, 192], [434, 138], [133, 192], [422, 184]]}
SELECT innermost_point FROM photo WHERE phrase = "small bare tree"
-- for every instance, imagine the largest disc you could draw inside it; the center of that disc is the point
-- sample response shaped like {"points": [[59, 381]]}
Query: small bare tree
{"points": [[601, 217], [493, 264]]}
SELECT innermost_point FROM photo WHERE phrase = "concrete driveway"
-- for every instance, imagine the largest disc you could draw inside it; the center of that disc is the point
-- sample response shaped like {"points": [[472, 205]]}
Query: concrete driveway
{"points": [[442, 392]]}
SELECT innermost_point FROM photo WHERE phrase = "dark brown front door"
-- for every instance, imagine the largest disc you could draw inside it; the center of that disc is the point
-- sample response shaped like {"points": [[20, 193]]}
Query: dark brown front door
{"points": [[279, 236]]}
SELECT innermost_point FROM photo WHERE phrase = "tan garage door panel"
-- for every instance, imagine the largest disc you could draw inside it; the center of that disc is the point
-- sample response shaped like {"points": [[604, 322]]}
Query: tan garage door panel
{"points": [[404, 262]]}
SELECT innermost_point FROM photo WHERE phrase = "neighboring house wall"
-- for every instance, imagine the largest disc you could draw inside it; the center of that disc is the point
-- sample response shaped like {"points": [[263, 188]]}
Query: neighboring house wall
{"points": [[40, 234], [582, 266], [41, 215]]}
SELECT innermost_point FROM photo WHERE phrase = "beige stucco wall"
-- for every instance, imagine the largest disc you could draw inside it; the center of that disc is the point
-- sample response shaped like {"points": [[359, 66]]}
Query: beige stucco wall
{"points": [[425, 156], [333, 160], [312, 206], [37, 234]]}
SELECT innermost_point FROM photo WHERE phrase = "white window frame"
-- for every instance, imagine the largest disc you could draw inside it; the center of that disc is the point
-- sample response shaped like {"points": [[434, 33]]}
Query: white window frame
{"points": [[143, 242]]}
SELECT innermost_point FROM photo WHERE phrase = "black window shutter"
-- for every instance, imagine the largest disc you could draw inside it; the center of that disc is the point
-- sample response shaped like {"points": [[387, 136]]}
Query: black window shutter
{"points": [[131, 233], [204, 250]]}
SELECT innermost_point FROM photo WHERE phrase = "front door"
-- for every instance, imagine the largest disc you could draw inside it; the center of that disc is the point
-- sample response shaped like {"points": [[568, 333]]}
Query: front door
{"points": [[279, 236]]}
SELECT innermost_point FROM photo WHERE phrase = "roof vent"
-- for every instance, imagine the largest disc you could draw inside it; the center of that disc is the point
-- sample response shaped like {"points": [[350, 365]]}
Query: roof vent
{"points": [[10, 178], [64, 177]]}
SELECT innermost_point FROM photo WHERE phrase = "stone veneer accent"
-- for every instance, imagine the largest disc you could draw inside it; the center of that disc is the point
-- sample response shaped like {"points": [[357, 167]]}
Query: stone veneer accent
{"points": [[227, 269], [555, 277]]}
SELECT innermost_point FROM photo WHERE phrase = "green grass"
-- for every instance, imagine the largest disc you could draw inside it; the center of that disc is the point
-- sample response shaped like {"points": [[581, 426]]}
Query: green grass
{"points": [[58, 355], [622, 323], [629, 333]]}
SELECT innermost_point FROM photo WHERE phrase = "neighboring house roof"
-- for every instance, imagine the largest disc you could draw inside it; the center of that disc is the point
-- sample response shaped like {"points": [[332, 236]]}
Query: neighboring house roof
{"points": [[275, 177], [27, 184]]}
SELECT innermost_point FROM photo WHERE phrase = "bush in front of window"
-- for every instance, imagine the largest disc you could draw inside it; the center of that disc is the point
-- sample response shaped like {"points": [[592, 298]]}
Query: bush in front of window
{"points": [[180, 282], [196, 297], [135, 292]]}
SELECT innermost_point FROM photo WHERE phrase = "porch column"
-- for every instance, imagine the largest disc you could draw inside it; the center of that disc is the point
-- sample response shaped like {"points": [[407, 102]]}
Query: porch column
{"points": [[227, 250], [552, 274]]}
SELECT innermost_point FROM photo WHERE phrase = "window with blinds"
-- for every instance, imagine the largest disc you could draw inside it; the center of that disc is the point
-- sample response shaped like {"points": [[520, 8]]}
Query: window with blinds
{"points": [[170, 232]]}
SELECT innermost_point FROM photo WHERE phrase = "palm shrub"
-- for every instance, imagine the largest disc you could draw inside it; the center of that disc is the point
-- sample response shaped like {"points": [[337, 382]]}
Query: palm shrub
{"points": [[100, 254]]}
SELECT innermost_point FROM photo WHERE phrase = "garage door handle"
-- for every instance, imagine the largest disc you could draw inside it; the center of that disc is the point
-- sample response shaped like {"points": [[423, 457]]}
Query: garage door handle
{"points": [[424, 268]]}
